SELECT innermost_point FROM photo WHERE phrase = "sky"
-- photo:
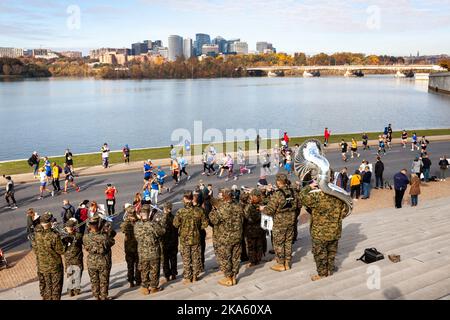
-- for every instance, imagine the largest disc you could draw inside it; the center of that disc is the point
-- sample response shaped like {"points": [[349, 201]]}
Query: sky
{"points": [[393, 27]]}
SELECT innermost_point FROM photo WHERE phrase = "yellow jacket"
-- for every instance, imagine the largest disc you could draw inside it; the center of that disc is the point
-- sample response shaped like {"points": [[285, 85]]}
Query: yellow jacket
{"points": [[55, 172], [355, 180]]}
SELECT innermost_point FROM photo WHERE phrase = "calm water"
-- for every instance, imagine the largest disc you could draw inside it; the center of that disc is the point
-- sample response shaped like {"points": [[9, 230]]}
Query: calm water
{"points": [[53, 114]]}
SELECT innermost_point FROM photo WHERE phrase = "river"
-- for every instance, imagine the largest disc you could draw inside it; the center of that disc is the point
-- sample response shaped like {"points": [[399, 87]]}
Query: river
{"points": [[49, 115]]}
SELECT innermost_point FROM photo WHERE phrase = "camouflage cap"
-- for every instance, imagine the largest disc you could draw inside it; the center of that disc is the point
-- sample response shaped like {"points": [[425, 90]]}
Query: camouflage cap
{"points": [[145, 208], [94, 219], [71, 223], [282, 177], [168, 205], [256, 192], [46, 217], [226, 192]]}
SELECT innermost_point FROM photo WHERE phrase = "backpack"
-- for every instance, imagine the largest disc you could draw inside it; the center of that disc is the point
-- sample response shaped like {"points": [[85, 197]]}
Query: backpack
{"points": [[30, 161], [68, 213], [371, 255], [83, 214], [60, 170]]}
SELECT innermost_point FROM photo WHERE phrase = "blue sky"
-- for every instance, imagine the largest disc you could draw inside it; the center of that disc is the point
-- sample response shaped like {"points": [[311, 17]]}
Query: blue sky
{"points": [[395, 27]]}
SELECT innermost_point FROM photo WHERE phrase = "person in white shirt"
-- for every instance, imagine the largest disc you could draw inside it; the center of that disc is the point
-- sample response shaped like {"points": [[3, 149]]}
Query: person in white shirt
{"points": [[105, 155], [43, 179]]}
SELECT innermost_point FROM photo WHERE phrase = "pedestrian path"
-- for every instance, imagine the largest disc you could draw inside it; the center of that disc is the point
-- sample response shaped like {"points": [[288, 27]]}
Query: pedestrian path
{"points": [[419, 235], [137, 165]]}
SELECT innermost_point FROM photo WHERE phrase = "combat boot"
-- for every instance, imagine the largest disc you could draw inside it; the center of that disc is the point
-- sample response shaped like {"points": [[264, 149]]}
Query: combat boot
{"points": [[155, 290], [287, 264], [233, 278], [195, 278], [145, 291], [187, 281], [173, 277], [227, 282], [131, 284], [278, 267]]}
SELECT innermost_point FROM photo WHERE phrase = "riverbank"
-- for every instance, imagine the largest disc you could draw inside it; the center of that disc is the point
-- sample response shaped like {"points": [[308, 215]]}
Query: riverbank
{"points": [[85, 161]]}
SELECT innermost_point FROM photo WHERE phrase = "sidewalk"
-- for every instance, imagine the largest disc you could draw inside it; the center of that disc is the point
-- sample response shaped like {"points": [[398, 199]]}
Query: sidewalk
{"points": [[23, 264], [137, 165]]}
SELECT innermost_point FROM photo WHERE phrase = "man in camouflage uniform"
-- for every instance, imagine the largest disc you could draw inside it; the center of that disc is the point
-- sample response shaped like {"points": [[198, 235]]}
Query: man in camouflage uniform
{"points": [[282, 206], [130, 245], [197, 202], [48, 248], [326, 227], [254, 235], [190, 221], [73, 257], [169, 245], [98, 245], [228, 219], [148, 234]]}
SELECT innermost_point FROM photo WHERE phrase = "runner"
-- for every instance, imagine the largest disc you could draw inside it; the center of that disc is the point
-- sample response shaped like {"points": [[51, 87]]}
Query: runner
{"points": [[43, 180], [414, 144], [173, 153], [354, 148], [404, 138], [365, 140], [230, 164], [69, 160], [344, 148], [161, 175], [148, 170], [175, 167], [9, 195], [48, 168], [146, 194], [69, 179], [126, 154], [423, 145], [381, 145], [183, 164], [154, 185], [105, 155], [241, 162], [56, 171], [34, 160], [110, 193], [326, 136]]}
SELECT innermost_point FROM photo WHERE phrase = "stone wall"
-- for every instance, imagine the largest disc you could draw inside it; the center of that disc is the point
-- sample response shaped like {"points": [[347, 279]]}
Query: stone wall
{"points": [[440, 82]]}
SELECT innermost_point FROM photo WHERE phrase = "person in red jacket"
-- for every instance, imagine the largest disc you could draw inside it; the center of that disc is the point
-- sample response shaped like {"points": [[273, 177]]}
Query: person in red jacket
{"points": [[110, 193], [326, 137], [286, 138]]}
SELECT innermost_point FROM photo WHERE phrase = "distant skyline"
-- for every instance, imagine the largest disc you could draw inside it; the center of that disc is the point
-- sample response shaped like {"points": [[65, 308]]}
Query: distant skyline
{"points": [[394, 27]]}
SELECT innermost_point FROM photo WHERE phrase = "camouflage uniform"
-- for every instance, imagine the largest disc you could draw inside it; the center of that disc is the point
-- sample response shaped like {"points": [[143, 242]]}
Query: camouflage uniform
{"points": [[255, 236], [326, 227], [98, 245], [190, 221], [169, 245], [48, 248], [148, 234], [73, 258], [227, 219], [282, 206], [131, 252]]}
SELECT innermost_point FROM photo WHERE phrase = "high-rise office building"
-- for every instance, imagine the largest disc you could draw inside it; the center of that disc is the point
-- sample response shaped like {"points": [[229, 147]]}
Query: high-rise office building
{"points": [[175, 47], [210, 49], [157, 43], [262, 46], [200, 40], [187, 48], [230, 43], [139, 48], [222, 43], [239, 47]]}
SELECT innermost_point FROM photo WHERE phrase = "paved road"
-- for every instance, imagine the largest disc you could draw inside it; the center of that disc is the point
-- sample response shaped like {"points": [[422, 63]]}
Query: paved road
{"points": [[13, 222]]}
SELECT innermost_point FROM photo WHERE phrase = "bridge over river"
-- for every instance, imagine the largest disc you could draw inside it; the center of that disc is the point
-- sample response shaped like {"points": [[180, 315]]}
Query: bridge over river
{"points": [[393, 68]]}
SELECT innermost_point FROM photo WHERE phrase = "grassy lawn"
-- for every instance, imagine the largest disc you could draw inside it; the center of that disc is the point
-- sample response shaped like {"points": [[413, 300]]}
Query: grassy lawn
{"points": [[16, 167]]}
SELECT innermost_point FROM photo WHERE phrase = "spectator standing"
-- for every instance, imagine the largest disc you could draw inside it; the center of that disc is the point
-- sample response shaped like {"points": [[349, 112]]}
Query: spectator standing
{"points": [[258, 142], [379, 169], [126, 154], [426, 167], [326, 137], [401, 182], [67, 212], [365, 141], [9, 195], [443, 167], [389, 137], [342, 179], [69, 160], [82, 214], [110, 194], [34, 160], [355, 184], [416, 167], [105, 155], [366, 180], [414, 190]]}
